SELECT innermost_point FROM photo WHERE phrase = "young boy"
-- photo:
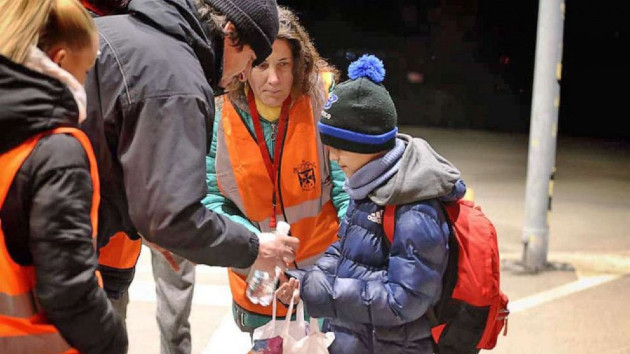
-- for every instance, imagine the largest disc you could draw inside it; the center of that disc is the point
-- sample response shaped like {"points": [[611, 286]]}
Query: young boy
{"points": [[375, 293]]}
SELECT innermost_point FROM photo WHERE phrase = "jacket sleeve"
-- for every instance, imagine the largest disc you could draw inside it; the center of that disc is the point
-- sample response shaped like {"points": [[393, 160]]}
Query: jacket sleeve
{"points": [[162, 152], [63, 251], [339, 196], [403, 293], [329, 261], [214, 200]]}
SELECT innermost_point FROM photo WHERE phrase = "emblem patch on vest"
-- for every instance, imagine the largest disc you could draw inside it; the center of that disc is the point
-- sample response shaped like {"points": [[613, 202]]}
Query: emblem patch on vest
{"points": [[306, 175]]}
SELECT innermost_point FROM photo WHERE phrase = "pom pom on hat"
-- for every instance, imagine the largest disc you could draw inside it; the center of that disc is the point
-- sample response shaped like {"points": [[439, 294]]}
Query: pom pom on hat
{"points": [[367, 66]]}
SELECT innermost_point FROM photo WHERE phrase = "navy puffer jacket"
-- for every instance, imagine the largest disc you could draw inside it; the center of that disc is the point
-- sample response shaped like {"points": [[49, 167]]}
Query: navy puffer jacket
{"points": [[376, 294]]}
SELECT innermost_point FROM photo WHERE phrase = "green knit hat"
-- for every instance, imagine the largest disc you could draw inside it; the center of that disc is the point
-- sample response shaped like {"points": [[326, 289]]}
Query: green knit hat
{"points": [[360, 115]]}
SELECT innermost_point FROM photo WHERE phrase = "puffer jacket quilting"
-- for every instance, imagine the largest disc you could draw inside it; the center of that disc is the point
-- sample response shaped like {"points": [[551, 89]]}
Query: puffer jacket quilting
{"points": [[373, 291]]}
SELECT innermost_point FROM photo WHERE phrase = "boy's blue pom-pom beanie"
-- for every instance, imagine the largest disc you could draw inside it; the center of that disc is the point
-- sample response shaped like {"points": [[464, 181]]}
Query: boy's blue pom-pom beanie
{"points": [[367, 66], [360, 115]]}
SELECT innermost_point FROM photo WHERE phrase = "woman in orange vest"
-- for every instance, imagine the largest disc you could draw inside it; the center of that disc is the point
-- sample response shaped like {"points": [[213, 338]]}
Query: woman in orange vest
{"points": [[50, 298], [266, 162]]}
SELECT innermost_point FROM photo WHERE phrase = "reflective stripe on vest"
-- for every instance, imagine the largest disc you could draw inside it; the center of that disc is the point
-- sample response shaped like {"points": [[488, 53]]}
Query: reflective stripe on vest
{"points": [[305, 186], [41, 343], [23, 327], [19, 305]]}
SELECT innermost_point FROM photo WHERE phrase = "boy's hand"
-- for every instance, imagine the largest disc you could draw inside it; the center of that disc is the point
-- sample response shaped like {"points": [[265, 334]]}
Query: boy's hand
{"points": [[288, 289]]}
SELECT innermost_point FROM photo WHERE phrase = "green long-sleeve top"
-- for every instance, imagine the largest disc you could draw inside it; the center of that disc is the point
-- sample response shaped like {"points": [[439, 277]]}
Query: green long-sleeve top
{"points": [[218, 203]]}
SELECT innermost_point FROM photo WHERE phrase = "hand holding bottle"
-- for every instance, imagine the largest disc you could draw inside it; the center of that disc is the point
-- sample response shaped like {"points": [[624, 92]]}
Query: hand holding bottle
{"points": [[277, 245], [275, 250]]}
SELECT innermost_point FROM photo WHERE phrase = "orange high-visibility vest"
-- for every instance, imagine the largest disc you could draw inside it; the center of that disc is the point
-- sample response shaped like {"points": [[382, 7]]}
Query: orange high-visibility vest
{"points": [[304, 186], [120, 253], [23, 326]]}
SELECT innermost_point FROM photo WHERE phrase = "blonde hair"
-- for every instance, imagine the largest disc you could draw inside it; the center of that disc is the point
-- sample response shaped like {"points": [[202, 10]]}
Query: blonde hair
{"points": [[307, 63], [44, 23]]}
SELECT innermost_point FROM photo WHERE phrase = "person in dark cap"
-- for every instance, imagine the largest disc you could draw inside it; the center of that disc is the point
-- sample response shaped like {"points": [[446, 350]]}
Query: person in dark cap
{"points": [[374, 292], [151, 107]]}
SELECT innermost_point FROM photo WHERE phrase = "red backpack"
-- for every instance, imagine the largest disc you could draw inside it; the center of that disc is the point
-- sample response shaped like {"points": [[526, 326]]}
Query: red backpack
{"points": [[472, 309]]}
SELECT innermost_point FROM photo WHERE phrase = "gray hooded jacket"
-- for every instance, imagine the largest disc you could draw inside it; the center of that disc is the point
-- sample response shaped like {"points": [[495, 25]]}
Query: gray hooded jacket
{"points": [[422, 174], [150, 110]]}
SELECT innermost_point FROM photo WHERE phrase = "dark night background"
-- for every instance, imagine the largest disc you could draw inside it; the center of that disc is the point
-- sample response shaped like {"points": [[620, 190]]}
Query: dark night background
{"points": [[476, 59]]}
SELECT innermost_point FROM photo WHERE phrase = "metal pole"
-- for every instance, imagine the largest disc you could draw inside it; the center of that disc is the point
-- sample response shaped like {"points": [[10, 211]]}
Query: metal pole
{"points": [[543, 132]]}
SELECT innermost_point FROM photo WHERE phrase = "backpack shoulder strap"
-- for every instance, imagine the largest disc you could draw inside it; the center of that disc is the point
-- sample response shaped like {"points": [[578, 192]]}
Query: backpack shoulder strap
{"points": [[389, 218]]}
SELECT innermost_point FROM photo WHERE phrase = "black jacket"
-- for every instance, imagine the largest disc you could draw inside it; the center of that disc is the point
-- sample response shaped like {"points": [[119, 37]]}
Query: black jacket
{"points": [[150, 112], [46, 214]]}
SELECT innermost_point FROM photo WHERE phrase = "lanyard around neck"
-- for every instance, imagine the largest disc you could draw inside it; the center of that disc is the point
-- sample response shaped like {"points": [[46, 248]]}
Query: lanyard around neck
{"points": [[271, 166]]}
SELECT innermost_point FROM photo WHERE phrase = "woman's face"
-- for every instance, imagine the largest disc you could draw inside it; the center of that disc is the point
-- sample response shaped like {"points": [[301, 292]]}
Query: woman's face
{"points": [[272, 80], [76, 61]]}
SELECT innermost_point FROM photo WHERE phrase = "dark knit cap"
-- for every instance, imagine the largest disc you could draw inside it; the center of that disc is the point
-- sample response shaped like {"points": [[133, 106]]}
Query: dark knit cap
{"points": [[255, 20], [360, 115]]}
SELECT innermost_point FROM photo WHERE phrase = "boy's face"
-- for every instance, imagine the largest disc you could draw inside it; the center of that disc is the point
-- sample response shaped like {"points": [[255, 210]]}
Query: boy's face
{"points": [[351, 162]]}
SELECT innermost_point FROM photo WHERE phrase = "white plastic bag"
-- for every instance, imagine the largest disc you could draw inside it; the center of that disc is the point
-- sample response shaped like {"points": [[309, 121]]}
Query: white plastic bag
{"points": [[315, 342], [298, 337]]}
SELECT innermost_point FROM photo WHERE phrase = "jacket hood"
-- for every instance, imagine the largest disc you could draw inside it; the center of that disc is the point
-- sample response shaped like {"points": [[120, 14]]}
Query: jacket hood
{"points": [[179, 19], [422, 174], [31, 103]]}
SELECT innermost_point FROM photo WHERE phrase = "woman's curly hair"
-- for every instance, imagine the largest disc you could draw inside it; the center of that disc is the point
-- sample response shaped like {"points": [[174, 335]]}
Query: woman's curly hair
{"points": [[307, 63]]}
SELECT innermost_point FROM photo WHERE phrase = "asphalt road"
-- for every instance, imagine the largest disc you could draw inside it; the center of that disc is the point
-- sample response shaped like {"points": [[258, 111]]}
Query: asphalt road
{"points": [[579, 310]]}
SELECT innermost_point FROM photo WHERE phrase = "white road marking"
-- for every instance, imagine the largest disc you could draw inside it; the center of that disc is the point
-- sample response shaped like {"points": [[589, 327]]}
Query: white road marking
{"points": [[560, 291], [228, 339]]}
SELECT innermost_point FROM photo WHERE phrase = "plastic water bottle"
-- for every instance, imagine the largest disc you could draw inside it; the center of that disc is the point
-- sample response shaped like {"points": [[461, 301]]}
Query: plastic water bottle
{"points": [[261, 283]]}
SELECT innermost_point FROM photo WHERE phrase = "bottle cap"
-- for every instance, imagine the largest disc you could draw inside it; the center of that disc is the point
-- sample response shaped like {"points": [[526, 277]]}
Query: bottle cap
{"points": [[283, 228]]}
